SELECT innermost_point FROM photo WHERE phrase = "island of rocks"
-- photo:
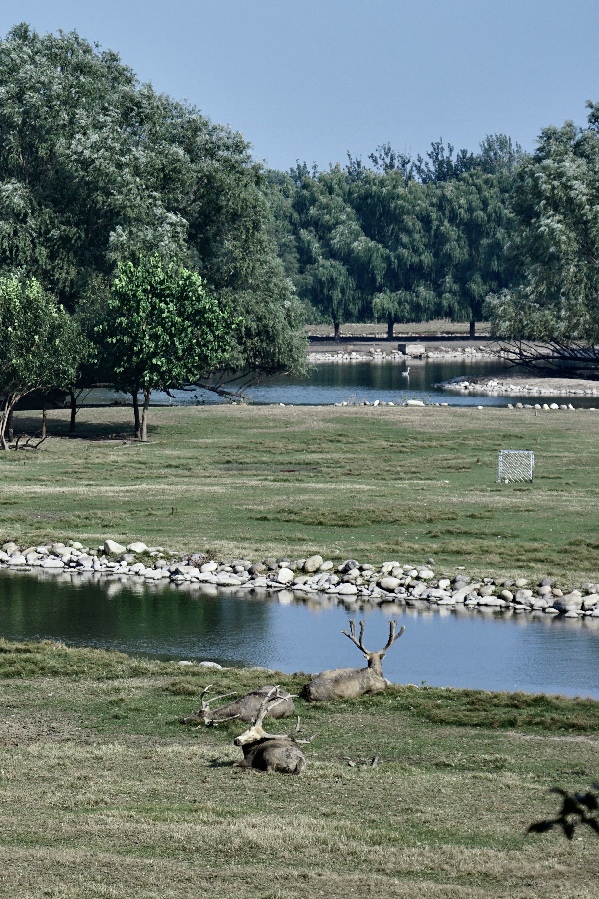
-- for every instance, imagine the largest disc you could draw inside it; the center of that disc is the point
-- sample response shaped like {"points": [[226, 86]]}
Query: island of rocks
{"points": [[350, 582]]}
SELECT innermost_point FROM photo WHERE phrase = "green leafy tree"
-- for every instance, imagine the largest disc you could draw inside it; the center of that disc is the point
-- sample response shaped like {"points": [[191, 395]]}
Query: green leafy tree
{"points": [[41, 346], [321, 216], [556, 205], [162, 330], [472, 222], [392, 258]]}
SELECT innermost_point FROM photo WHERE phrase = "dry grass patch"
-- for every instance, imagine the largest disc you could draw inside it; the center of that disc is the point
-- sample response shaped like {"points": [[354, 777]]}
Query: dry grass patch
{"points": [[135, 805]]}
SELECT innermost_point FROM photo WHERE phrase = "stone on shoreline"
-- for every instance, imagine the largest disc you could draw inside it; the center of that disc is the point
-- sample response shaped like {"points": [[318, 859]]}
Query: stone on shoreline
{"points": [[350, 582]]}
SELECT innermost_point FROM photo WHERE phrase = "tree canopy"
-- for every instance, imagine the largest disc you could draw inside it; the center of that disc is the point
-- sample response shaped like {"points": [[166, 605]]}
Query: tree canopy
{"points": [[403, 240], [41, 345], [161, 331], [97, 170], [556, 206]]}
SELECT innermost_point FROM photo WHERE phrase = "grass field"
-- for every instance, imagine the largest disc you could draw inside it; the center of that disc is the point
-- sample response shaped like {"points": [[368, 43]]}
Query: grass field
{"points": [[370, 483], [104, 793]]}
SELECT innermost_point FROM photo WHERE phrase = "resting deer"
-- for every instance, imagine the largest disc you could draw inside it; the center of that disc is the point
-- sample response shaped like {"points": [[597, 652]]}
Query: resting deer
{"points": [[246, 707], [271, 752], [347, 683]]}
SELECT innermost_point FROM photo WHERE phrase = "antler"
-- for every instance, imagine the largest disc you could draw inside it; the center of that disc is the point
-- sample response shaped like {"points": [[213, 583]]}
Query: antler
{"points": [[205, 706], [296, 730], [215, 698], [358, 641], [392, 635], [271, 699]]}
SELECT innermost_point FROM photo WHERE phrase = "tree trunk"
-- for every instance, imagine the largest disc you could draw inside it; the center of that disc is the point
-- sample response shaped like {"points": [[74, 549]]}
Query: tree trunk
{"points": [[6, 420], [337, 327], [144, 415], [472, 329], [136, 414], [73, 411], [44, 418], [10, 431], [390, 323]]}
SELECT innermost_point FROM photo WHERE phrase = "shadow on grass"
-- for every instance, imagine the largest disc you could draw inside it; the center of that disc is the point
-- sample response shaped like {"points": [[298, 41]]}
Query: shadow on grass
{"points": [[30, 426]]}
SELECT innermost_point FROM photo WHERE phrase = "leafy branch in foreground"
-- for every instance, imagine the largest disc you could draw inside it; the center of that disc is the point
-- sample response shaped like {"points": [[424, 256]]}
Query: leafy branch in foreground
{"points": [[577, 808]]}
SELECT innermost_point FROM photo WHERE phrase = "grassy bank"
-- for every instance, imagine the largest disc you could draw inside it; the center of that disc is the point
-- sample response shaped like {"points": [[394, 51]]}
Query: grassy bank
{"points": [[105, 794], [370, 483]]}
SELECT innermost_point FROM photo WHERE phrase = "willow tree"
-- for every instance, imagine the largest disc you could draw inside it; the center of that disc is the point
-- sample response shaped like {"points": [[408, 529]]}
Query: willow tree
{"points": [[556, 205]]}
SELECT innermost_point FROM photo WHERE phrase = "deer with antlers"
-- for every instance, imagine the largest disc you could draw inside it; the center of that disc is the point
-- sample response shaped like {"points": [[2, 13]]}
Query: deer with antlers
{"points": [[347, 683], [245, 708], [271, 752]]}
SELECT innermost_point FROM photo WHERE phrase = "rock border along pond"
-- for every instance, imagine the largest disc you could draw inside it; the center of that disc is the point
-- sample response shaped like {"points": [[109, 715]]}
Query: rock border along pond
{"points": [[353, 584]]}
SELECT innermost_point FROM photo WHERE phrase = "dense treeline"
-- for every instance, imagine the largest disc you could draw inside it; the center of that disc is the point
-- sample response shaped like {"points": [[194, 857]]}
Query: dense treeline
{"points": [[99, 172], [399, 240], [143, 247]]}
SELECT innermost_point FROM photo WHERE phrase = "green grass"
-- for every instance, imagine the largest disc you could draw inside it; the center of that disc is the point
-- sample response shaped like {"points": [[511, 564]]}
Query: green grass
{"points": [[374, 484], [105, 794]]}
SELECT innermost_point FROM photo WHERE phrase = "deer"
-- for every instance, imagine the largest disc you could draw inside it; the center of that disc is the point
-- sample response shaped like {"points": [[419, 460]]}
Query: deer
{"points": [[245, 708], [271, 752], [348, 683]]}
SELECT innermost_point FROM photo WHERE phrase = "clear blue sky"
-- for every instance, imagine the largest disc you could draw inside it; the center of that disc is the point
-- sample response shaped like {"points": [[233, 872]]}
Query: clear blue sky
{"points": [[311, 79]]}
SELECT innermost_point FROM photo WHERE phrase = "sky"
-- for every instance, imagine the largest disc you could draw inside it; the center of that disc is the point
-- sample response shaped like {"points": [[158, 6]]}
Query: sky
{"points": [[310, 80]]}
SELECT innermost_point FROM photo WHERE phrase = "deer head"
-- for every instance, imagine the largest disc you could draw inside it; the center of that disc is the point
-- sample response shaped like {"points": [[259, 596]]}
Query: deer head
{"points": [[374, 659], [205, 712]]}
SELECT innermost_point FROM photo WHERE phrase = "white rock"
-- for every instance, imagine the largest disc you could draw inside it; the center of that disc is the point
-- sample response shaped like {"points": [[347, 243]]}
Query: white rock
{"points": [[389, 583], [52, 563], [425, 574], [111, 546], [137, 547], [224, 579], [285, 576], [208, 566], [210, 665], [18, 559], [313, 563], [346, 589]]}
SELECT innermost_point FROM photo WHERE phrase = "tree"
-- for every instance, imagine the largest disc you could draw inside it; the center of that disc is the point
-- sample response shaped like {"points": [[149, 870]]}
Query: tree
{"points": [[321, 218], [556, 205], [391, 256], [41, 346], [97, 169], [162, 330], [470, 234]]}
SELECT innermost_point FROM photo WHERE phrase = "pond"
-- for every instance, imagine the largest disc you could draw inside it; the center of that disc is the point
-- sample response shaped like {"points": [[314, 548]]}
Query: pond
{"points": [[333, 382], [442, 648]]}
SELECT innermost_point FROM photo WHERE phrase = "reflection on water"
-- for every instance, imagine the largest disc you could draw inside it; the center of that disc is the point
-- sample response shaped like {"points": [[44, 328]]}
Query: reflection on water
{"points": [[483, 649], [352, 382]]}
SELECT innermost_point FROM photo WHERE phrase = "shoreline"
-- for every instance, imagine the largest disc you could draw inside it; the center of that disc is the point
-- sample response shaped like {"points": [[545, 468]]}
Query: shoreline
{"points": [[350, 582]]}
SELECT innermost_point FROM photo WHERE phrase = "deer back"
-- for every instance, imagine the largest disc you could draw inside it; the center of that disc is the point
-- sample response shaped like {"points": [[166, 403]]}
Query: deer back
{"points": [[273, 754], [347, 683], [281, 705], [246, 708], [343, 683]]}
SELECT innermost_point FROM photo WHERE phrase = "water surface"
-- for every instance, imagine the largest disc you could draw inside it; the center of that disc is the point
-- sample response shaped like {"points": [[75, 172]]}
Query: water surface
{"points": [[353, 382], [482, 650]]}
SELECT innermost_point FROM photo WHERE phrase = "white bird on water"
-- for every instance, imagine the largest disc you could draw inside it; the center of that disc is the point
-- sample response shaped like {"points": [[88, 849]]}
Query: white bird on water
{"points": [[406, 373]]}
